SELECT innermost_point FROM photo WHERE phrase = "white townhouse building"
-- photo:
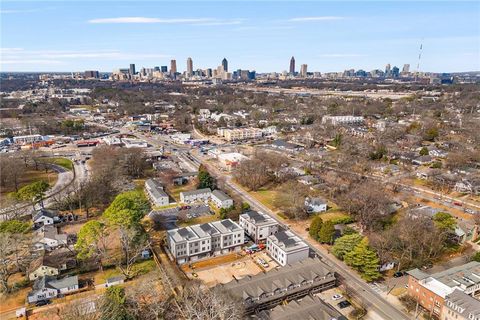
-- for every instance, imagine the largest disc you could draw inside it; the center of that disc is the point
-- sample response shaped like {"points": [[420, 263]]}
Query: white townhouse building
{"points": [[155, 193], [221, 200], [195, 195], [205, 240], [286, 248], [257, 225]]}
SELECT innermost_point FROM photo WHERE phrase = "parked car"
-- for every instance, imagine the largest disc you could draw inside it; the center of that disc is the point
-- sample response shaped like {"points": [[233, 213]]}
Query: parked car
{"points": [[262, 262], [398, 274], [337, 297], [344, 304], [42, 303]]}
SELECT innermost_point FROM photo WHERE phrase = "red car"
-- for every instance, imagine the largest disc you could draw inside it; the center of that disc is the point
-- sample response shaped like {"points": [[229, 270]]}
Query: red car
{"points": [[457, 204]]}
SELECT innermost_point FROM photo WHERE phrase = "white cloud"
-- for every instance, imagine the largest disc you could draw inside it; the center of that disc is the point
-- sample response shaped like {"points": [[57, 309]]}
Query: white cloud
{"points": [[342, 55], [31, 61], [319, 18], [191, 21]]}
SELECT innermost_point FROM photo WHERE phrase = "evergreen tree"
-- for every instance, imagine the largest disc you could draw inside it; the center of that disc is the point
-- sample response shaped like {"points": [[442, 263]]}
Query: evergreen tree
{"points": [[364, 260], [424, 151], [315, 227], [346, 244], [205, 180], [327, 232]]}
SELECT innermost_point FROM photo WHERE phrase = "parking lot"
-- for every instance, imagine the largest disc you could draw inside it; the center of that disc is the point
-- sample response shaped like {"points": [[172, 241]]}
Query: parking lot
{"points": [[167, 218], [333, 297]]}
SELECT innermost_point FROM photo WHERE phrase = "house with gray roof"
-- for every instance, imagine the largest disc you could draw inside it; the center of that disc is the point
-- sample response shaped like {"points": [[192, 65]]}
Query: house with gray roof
{"points": [[46, 288], [48, 238], [286, 248], [315, 205], [204, 240], [310, 307], [294, 281], [202, 195], [461, 306], [155, 193], [258, 225], [44, 217], [221, 200]]}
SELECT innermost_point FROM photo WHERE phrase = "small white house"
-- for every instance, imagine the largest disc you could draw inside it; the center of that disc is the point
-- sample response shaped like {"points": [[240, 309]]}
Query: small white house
{"points": [[44, 218], [46, 288], [315, 205]]}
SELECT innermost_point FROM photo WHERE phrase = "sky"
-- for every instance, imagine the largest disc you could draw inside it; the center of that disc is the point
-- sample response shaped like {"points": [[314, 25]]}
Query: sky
{"points": [[255, 35]]}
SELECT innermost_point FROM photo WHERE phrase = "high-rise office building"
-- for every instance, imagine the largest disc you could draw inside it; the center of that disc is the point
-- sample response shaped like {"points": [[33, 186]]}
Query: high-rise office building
{"points": [[89, 74], [208, 73], [406, 68], [189, 67], [292, 65], [132, 69], [303, 70], [156, 68], [225, 64], [164, 68], [388, 70], [173, 66], [395, 72]]}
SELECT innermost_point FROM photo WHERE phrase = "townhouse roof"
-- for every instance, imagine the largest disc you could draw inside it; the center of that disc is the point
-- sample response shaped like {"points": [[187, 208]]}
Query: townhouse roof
{"points": [[296, 273], [155, 189], [466, 275], [317, 201], [287, 241], [464, 304], [220, 195], [258, 217], [195, 192], [417, 274], [63, 283], [205, 230], [311, 308]]}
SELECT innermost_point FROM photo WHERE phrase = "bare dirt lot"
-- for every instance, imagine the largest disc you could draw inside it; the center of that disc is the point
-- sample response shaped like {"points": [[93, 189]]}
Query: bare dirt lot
{"points": [[237, 269]]}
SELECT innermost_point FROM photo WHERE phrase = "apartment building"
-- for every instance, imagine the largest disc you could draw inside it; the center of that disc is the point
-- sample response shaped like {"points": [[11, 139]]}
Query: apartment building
{"points": [[195, 195], [205, 240], [460, 306], [286, 248], [431, 290], [221, 200], [340, 120], [257, 225], [239, 133], [266, 290], [155, 193]]}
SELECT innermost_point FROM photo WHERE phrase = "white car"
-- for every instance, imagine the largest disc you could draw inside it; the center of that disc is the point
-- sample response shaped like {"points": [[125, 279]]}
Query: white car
{"points": [[337, 297]]}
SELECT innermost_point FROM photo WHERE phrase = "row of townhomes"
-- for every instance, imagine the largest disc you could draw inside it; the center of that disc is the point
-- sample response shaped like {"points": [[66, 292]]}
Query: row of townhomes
{"points": [[201, 241], [155, 193], [450, 294], [218, 197], [294, 281], [205, 240]]}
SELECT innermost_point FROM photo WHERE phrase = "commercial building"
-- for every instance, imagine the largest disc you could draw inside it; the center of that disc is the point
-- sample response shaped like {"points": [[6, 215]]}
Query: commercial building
{"points": [[27, 139], [292, 65], [303, 71], [230, 159], [132, 69], [267, 290], [225, 65], [195, 195], [204, 240], [221, 200], [189, 67], [286, 248], [155, 193], [257, 225], [91, 74], [431, 290], [173, 66]]}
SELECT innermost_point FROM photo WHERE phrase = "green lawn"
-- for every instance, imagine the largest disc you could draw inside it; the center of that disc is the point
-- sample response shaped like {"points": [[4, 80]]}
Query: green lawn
{"points": [[63, 162], [266, 196], [199, 220], [140, 268]]}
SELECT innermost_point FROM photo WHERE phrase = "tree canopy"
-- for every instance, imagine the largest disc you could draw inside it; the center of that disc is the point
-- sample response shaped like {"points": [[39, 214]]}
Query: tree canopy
{"points": [[364, 260], [315, 227], [15, 227], [327, 232], [444, 221], [127, 209], [346, 244]]}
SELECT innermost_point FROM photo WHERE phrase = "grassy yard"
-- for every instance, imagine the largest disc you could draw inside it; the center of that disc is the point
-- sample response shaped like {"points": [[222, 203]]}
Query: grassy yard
{"points": [[267, 197], [333, 215], [175, 190], [62, 162], [140, 268]]}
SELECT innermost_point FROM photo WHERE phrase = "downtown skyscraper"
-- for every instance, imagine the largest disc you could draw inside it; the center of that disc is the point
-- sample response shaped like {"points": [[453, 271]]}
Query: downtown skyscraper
{"points": [[173, 66], [292, 66], [225, 64], [189, 67]]}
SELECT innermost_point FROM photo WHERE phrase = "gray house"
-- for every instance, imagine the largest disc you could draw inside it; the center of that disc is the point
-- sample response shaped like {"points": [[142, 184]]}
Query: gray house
{"points": [[195, 195], [46, 288], [221, 200]]}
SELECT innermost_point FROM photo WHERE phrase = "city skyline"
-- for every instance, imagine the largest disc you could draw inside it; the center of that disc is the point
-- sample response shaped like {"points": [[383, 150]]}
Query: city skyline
{"points": [[256, 36]]}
